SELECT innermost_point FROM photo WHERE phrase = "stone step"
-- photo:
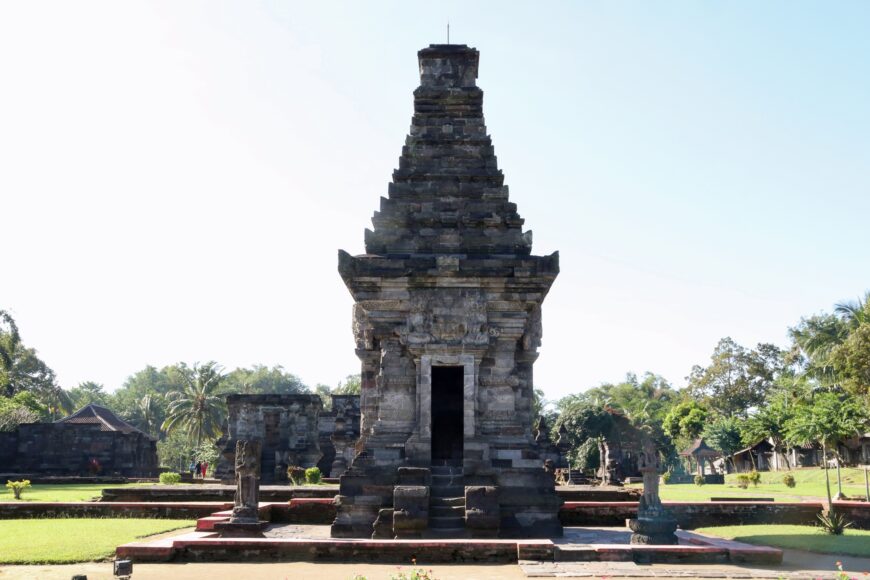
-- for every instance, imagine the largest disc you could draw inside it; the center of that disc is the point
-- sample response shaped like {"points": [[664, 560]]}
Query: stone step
{"points": [[447, 491], [446, 511], [446, 533], [439, 480], [447, 501], [446, 523], [446, 470]]}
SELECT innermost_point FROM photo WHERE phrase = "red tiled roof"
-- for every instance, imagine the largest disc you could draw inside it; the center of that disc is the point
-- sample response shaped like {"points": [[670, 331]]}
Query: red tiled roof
{"points": [[97, 415], [699, 447]]}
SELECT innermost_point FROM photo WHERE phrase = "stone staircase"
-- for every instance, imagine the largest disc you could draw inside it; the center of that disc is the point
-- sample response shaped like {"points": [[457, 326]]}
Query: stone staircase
{"points": [[447, 502]]}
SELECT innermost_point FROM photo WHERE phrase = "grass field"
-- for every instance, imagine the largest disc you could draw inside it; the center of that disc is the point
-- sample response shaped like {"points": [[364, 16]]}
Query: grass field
{"points": [[852, 543], [810, 484], [59, 491], [62, 541]]}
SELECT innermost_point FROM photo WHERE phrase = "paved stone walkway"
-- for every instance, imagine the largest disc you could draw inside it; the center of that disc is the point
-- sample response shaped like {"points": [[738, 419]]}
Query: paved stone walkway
{"points": [[259, 571], [796, 565]]}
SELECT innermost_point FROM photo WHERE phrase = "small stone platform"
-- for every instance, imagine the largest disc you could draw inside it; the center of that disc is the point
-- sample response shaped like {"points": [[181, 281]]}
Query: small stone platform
{"points": [[311, 543]]}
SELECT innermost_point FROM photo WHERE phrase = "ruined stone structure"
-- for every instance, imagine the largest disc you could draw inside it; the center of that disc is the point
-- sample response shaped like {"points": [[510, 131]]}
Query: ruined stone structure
{"points": [[93, 441], [338, 430], [447, 321], [285, 424]]}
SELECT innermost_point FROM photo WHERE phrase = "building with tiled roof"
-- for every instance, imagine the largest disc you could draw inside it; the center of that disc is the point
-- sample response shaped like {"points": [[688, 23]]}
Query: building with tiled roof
{"points": [[93, 441]]}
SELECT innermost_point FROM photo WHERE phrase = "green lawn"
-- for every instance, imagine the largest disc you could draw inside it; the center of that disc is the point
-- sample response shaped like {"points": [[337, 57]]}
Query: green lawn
{"points": [[62, 541], [810, 484], [59, 491], [812, 539]]}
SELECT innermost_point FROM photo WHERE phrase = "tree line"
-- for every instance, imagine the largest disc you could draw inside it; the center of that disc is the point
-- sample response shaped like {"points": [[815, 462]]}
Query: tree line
{"points": [[181, 405], [814, 392]]}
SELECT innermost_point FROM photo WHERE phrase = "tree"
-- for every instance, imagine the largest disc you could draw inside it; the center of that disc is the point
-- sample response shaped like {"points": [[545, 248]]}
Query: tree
{"points": [[175, 451], [148, 384], [834, 348], [14, 412], [685, 421], [825, 420], [198, 408], [724, 436], [20, 368], [87, 393], [737, 379], [147, 413], [582, 422], [263, 380], [643, 401], [351, 385], [769, 422]]}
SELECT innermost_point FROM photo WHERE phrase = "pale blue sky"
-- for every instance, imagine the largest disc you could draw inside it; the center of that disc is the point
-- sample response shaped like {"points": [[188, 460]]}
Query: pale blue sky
{"points": [[176, 178]]}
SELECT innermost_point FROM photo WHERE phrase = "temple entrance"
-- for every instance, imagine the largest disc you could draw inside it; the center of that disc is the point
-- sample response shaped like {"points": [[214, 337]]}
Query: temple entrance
{"points": [[447, 414]]}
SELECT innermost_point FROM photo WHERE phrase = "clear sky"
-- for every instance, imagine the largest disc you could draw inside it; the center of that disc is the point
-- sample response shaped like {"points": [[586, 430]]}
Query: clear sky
{"points": [[177, 177]]}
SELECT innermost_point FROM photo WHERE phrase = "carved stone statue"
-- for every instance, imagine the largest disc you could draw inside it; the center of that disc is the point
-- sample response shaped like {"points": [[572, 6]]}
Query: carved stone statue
{"points": [[653, 525], [245, 520], [247, 496]]}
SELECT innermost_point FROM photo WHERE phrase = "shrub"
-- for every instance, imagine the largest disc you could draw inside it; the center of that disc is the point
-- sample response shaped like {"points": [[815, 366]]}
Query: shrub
{"points": [[17, 487], [312, 475], [754, 478], [833, 522], [170, 478], [666, 477], [788, 480], [743, 481], [699, 480], [296, 475]]}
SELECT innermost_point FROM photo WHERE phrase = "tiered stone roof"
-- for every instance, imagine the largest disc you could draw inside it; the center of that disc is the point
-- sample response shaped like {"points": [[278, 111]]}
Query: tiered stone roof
{"points": [[448, 195]]}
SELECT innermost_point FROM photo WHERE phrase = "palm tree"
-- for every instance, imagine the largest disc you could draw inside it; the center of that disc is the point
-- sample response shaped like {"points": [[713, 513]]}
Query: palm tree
{"points": [[58, 402], [855, 312], [147, 411], [826, 420], [196, 407]]}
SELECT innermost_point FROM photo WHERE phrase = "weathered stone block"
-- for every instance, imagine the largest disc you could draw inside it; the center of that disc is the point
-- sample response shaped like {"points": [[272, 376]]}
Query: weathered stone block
{"points": [[410, 510], [482, 515]]}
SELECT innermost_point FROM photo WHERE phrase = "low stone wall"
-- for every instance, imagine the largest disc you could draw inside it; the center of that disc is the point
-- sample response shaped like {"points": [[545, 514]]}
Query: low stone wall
{"points": [[691, 515], [856, 511], [161, 510], [598, 493], [311, 511], [207, 492]]}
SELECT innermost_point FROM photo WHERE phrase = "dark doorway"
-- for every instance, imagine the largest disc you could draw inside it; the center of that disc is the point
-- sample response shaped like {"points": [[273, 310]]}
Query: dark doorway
{"points": [[447, 413]]}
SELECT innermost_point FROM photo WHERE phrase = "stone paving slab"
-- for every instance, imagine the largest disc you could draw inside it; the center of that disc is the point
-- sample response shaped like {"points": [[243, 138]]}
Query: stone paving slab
{"points": [[614, 570]]}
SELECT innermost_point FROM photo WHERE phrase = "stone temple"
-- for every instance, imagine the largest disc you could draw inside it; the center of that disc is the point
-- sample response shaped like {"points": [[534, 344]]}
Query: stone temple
{"points": [[447, 321]]}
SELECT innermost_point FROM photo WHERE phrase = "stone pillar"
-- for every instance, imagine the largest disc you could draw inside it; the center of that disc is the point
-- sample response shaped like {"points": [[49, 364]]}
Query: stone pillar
{"points": [[654, 524]]}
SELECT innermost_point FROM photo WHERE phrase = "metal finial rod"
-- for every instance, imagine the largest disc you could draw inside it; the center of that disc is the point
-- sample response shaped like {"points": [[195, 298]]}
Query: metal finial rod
{"points": [[448, 32]]}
